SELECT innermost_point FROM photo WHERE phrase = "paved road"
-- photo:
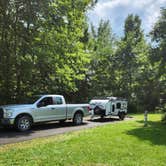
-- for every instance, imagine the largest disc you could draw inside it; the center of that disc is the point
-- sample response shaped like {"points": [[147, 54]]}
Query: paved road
{"points": [[43, 130]]}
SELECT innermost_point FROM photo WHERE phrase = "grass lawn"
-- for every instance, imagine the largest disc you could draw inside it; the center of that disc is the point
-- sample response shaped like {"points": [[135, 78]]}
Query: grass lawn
{"points": [[126, 143]]}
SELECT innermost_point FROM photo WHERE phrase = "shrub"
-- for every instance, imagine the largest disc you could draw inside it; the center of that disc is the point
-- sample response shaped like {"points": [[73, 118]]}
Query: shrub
{"points": [[163, 117]]}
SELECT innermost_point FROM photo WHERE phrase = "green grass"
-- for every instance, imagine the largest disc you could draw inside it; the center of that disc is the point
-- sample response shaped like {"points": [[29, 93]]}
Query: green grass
{"points": [[126, 143]]}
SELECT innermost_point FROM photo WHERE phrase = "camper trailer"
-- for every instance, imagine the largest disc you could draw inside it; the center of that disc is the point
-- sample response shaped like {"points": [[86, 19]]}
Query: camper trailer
{"points": [[109, 106]]}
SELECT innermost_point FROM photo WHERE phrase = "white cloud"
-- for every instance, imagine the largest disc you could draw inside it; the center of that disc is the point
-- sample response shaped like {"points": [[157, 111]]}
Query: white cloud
{"points": [[117, 10]]}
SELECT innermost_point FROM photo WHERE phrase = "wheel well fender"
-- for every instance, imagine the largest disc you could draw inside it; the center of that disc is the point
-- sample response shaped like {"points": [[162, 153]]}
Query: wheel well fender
{"points": [[23, 114], [79, 111]]}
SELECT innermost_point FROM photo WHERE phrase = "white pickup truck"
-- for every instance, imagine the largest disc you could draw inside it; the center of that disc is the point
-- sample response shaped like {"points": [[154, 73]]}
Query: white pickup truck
{"points": [[110, 106], [42, 109]]}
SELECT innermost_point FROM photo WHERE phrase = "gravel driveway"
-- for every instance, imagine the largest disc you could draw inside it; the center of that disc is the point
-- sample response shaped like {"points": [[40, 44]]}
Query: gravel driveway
{"points": [[43, 130]]}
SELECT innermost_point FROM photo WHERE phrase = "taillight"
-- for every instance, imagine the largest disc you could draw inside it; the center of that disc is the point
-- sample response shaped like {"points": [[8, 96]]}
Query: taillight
{"points": [[89, 109]]}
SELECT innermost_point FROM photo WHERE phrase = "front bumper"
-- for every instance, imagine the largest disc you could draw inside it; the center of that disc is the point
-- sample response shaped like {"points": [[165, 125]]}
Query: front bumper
{"points": [[6, 122]]}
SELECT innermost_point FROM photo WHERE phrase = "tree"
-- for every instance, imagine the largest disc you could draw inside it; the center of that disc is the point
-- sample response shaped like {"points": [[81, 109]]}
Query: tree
{"points": [[101, 70], [158, 56], [40, 47], [132, 62], [19, 27]]}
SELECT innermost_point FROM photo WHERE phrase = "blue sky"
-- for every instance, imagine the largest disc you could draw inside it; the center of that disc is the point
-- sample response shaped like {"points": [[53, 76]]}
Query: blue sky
{"points": [[117, 10]]}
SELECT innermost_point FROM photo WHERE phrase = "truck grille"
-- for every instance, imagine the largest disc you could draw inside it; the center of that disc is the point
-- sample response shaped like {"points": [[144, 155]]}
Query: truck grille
{"points": [[1, 113]]}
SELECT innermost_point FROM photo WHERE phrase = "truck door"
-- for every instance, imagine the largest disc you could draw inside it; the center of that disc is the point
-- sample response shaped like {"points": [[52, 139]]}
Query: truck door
{"points": [[59, 108], [44, 109]]}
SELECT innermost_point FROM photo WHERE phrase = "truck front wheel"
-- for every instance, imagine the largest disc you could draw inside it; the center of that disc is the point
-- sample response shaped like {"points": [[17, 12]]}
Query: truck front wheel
{"points": [[23, 123], [78, 118]]}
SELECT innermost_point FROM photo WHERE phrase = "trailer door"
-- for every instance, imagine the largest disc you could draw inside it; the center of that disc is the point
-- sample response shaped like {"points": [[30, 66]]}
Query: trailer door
{"points": [[108, 108], [113, 108]]}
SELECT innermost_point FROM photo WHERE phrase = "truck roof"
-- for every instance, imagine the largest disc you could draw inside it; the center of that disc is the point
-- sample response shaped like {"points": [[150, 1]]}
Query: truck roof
{"points": [[49, 95]]}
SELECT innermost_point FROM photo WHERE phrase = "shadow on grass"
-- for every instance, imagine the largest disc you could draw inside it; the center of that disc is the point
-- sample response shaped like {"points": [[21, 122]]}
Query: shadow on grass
{"points": [[104, 120], [155, 132]]}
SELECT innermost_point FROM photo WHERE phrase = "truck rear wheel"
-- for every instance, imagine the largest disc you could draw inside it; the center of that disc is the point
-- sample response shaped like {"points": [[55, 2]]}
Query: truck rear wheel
{"points": [[23, 123], [78, 118]]}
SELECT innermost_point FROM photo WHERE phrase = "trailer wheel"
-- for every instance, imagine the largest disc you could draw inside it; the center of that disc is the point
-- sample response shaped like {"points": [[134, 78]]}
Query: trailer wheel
{"points": [[121, 115]]}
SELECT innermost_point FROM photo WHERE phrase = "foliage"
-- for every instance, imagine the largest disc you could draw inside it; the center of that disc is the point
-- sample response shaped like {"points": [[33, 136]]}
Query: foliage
{"points": [[163, 117], [40, 47], [47, 46], [125, 67], [118, 68], [158, 58], [102, 43], [162, 109]]}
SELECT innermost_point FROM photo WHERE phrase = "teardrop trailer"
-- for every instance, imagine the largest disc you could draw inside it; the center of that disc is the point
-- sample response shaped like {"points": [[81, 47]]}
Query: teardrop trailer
{"points": [[109, 106]]}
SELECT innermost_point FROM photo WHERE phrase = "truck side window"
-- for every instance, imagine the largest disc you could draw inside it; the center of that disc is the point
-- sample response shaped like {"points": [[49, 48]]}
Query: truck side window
{"points": [[45, 101], [118, 105], [58, 101]]}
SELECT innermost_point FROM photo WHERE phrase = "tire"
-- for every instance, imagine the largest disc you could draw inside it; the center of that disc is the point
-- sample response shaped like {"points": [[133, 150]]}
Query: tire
{"points": [[121, 115], [23, 123], [78, 118]]}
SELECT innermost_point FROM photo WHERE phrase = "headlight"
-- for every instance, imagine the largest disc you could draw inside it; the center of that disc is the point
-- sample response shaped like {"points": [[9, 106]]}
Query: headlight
{"points": [[8, 113]]}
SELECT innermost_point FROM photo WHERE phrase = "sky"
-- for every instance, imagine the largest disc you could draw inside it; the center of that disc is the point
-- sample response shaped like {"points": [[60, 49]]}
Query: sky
{"points": [[117, 10]]}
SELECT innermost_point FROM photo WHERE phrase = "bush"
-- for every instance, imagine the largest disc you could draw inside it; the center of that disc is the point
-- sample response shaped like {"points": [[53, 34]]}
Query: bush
{"points": [[163, 110], [158, 110], [135, 108], [163, 117]]}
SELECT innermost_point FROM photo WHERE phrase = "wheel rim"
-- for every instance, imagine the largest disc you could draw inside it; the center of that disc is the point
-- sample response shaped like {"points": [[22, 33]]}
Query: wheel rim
{"points": [[78, 118], [24, 124]]}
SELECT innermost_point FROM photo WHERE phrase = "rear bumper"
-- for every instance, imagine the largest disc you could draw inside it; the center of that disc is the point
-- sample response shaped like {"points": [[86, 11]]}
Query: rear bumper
{"points": [[4, 122]]}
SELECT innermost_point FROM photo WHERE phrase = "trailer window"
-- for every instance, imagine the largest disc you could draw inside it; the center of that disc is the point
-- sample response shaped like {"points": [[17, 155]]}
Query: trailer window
{"points": [[118, 105]]}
